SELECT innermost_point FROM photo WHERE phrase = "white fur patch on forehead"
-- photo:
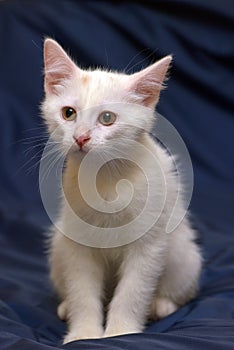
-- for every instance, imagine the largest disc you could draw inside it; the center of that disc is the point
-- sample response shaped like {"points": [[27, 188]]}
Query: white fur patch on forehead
{"points": [[100, 86]]}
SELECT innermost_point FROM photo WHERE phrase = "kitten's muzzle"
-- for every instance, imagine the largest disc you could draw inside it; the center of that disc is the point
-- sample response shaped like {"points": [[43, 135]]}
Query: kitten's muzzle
{"points": [[81, 140]]}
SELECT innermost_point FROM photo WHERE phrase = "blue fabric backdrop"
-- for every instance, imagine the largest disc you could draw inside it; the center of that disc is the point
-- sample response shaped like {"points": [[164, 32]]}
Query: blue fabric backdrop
{"points": [[199, 102]]}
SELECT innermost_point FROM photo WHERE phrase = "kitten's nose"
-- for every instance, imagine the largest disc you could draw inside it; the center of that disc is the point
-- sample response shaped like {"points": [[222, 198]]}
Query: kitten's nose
{"points": [[81, 140]]}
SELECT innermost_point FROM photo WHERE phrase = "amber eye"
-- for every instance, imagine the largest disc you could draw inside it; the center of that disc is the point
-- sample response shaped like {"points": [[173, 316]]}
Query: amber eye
{"points": [[68, 113], [107, 118]]}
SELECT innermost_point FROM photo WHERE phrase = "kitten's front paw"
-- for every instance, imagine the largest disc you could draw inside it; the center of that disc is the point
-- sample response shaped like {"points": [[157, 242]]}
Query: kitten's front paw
{"points": [[62, 311], [162, 307], [84, 333]]}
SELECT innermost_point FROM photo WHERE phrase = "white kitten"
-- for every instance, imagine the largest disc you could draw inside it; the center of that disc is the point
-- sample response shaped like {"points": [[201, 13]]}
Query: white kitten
{"points": [[155, 273]]}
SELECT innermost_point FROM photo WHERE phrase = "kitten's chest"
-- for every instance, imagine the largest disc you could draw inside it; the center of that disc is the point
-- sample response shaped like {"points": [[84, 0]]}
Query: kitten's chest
{"points": [[109, 210], [110, 202]]}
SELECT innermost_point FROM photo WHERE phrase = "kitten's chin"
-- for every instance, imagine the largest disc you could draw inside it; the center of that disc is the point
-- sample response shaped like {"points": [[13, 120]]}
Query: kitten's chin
{"points": [[79, 152]]}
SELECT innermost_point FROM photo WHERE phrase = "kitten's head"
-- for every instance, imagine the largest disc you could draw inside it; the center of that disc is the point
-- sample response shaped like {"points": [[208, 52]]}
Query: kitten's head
{"points": [[88, 109]]}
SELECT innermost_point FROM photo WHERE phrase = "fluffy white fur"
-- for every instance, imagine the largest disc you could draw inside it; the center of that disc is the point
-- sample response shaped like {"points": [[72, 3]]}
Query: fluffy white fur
{"points": [[112, 291]]}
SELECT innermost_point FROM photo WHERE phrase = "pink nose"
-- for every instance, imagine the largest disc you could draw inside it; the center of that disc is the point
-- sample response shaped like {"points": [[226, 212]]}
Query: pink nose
{"points": [[81, 140]]}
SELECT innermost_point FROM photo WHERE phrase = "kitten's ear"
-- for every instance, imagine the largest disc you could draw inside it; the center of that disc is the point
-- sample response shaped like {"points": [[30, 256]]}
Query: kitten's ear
{"points": [[58, 66], [147, 84]]}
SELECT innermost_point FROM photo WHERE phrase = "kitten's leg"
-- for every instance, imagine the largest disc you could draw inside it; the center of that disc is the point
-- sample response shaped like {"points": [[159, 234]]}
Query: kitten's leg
{"points": [[84, 276], [179, 282], [56, 272], [56, 263], [129, 307]]}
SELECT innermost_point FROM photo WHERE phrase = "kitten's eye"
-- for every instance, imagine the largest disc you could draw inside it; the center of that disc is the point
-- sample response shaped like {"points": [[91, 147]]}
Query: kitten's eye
{"points": [[107, 118], [68, 113]]}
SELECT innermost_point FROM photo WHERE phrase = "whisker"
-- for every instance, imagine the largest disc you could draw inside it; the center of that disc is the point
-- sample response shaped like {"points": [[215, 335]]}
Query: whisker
{"points": [[38, 152], [60, 154], [41, 144], [39, 127], [43, 158]]}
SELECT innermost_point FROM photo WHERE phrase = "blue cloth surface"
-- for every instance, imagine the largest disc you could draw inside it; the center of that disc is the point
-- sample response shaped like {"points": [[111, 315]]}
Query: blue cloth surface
{"points": [[122, 35]]}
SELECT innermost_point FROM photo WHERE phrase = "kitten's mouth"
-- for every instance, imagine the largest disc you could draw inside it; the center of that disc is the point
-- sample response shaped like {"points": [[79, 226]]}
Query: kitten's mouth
{"points": [[83, 150], [80, 149]]}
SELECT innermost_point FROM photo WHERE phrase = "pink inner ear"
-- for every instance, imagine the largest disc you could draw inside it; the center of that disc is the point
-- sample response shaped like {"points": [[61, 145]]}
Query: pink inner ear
{"points": [[148, 90], [58, 66], [148, 83]]}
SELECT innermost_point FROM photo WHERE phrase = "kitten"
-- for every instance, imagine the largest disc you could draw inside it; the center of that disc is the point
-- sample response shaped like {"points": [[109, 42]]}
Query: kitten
{"points": [[154, 273]]}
